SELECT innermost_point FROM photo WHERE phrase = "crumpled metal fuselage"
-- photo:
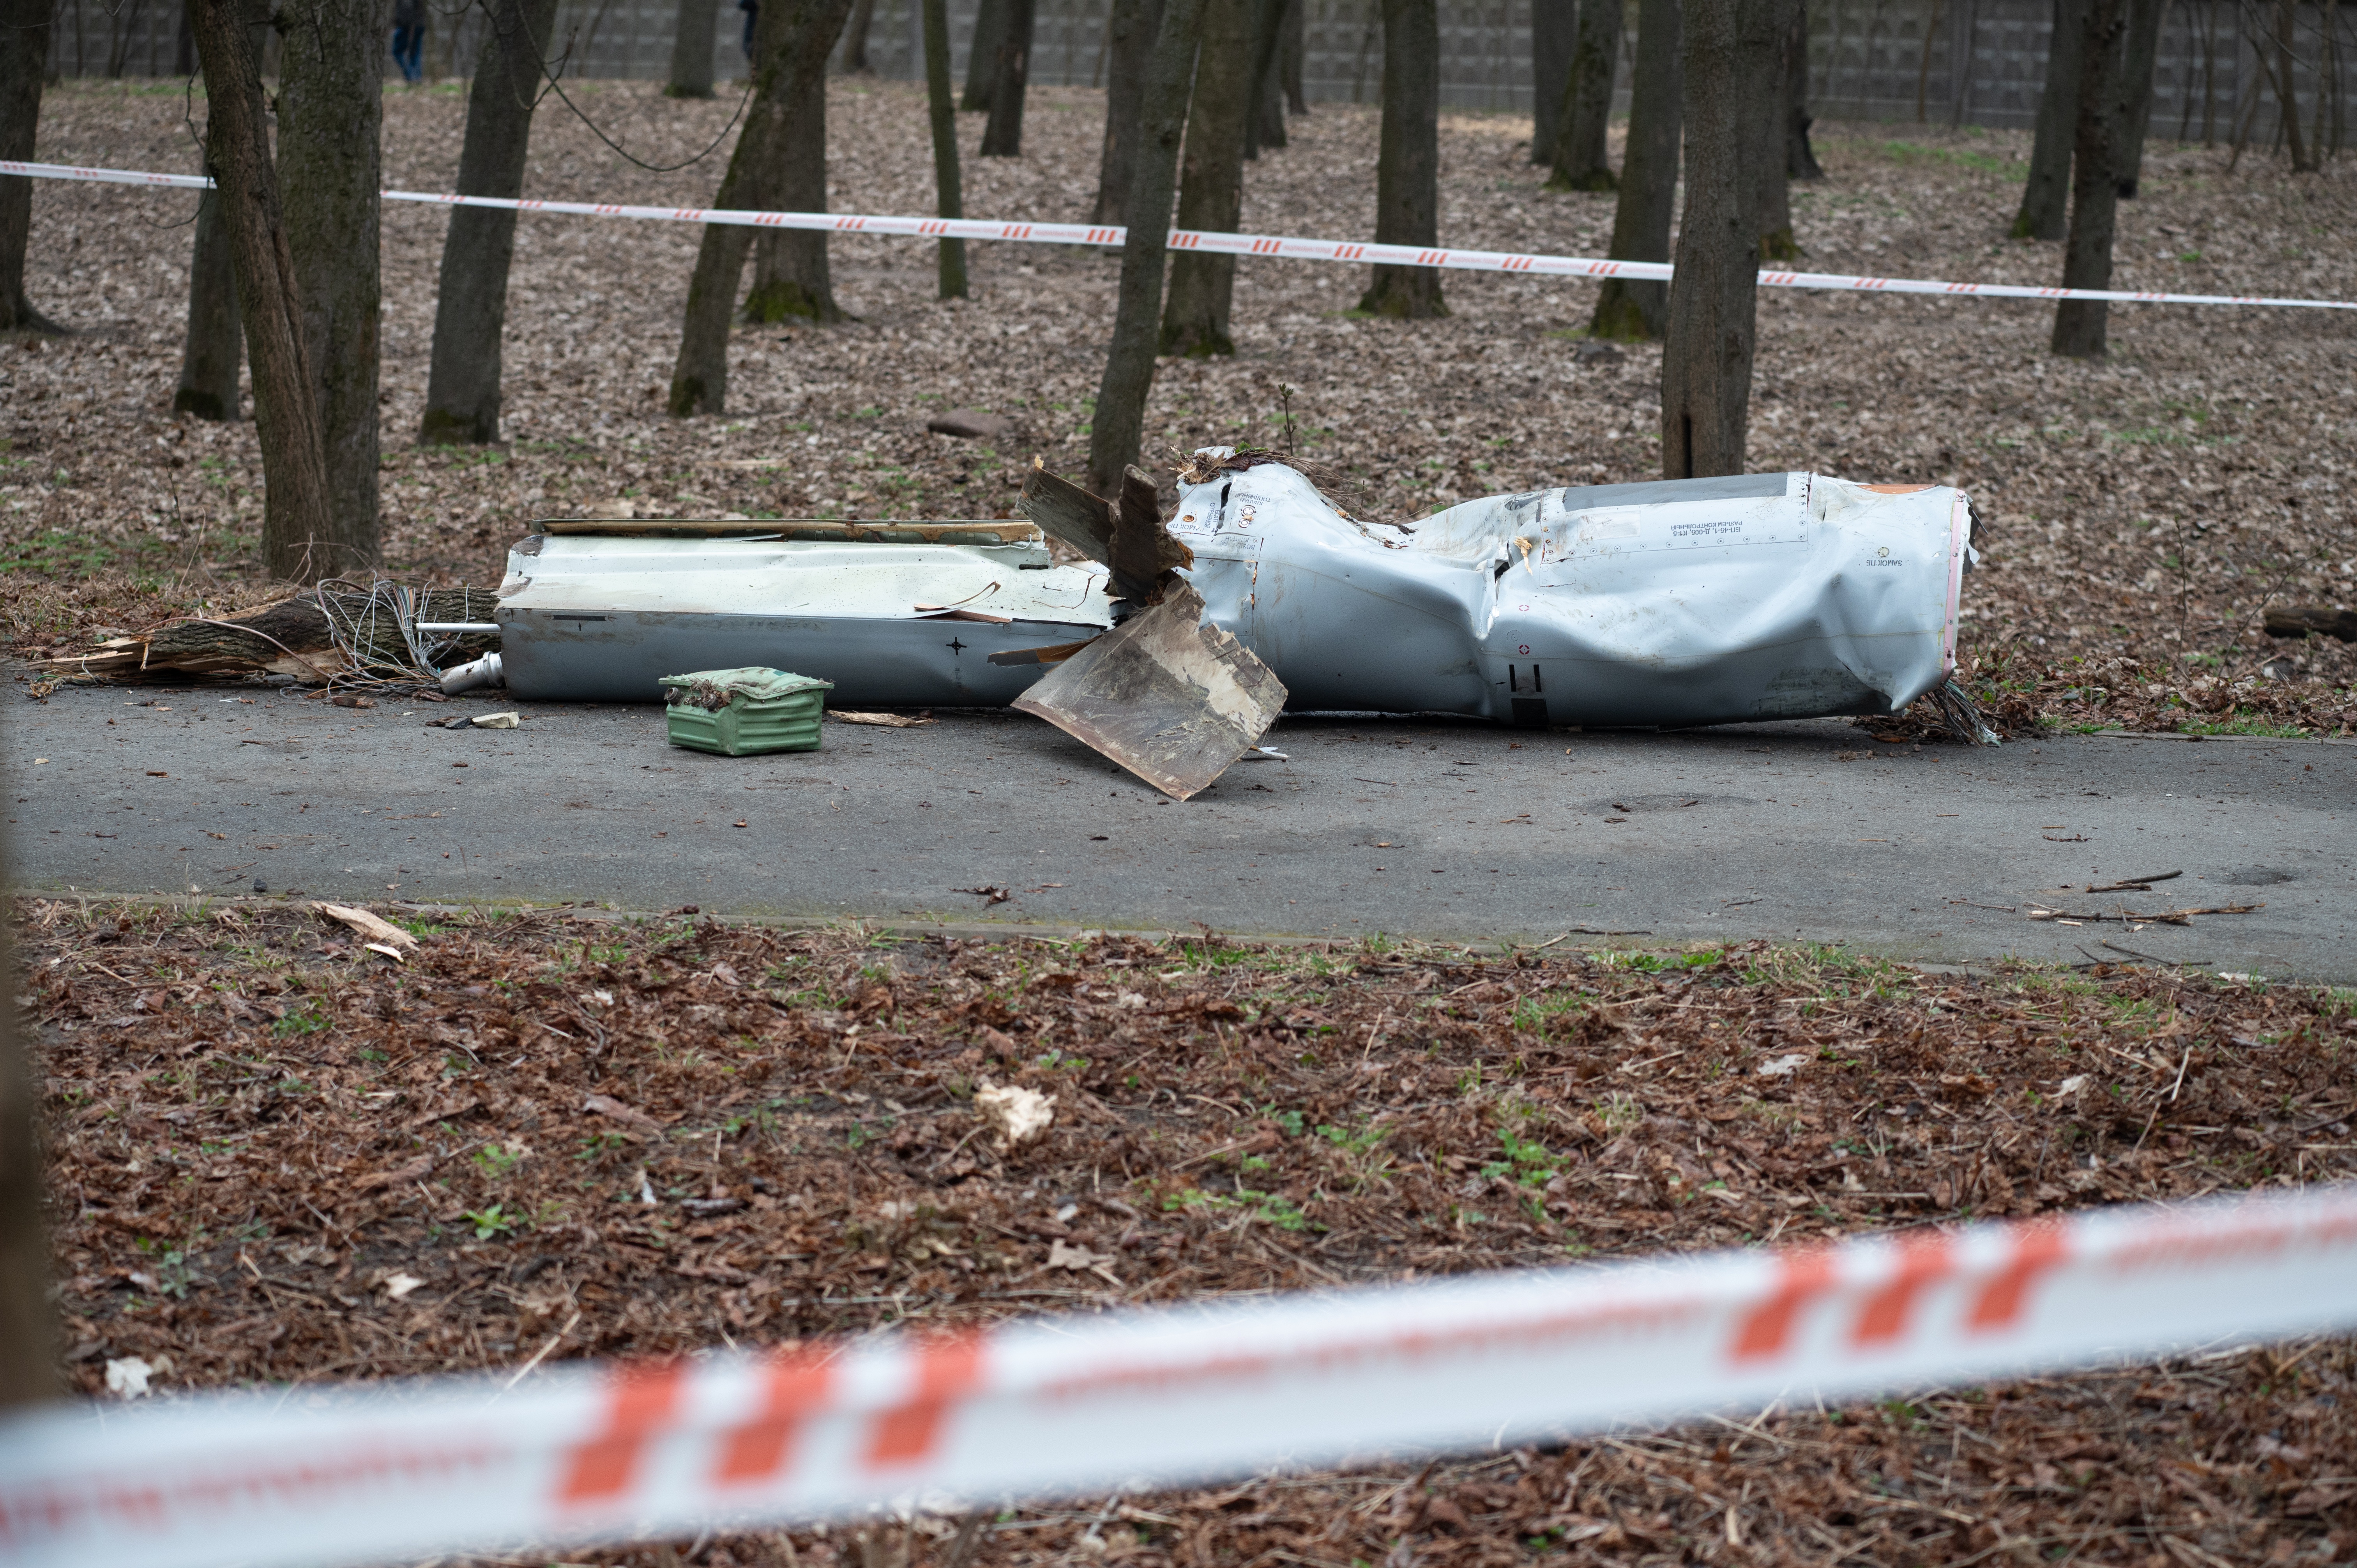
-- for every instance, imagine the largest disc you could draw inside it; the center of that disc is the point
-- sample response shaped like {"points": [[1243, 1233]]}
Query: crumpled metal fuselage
{"points": [[1679, 602]]}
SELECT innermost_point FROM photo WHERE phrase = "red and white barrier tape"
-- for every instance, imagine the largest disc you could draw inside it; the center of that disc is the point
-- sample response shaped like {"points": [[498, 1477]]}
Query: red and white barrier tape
{"points": [[1287, 247], [1076, 1406]]}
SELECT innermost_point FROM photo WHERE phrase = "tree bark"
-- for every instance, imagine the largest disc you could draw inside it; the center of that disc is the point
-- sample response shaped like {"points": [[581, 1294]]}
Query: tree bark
{"points": [[212, 354], [949, 188], [1554, 34], [697, 34], [1211, 182], [792, 281], [1728, 90], [2286, 93], [28, 1349], [1581, 160], [855, 38], [1408, 162], [295, 542], [330, 114], [1264, 125], [1634, 309], [1800, 158], [2080, 324], [24, 61], [1766, 147], [2045, 195], [2137, 68], [982, 57], [1117, 426], [1132, 25], [793, 40], [462, 388], [1291, 48], [1002, 137]]}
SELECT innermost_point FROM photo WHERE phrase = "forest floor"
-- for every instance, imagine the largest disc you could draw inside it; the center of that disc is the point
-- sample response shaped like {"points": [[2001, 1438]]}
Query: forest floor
{"points": [[2138, 513], [276, 1156]]}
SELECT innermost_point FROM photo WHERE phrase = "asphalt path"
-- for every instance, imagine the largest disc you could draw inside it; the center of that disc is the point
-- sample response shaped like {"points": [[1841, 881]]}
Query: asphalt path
{"points": [[1432, 829]]}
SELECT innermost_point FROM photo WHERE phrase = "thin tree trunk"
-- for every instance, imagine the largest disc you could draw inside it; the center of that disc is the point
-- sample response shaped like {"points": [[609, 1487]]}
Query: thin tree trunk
{"points": [[697, 34], [1768, 146], [1800, 158], [1211, 182], [1132, 25], [1581, 160], [462, 387], [295, 543], [2078, 324], [212, 354], [1408, 162], [2046, 193], [792, 281], [982, 57], [2287, 88], [1265, 121], [1633, 310], [29, 1349], [1554, 34], [1296, 46], [2137, 68], [1923, 65], [855, 38], [184, 45], [1728, 81], [949, 190], [1118, 425], [1002, 137], [330, 113], [24, 61], [792, 42]]}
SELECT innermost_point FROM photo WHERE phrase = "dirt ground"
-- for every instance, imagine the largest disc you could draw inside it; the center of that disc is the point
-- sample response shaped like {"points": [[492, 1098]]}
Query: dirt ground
{"points": [[2140, 513], [275, 1155]]}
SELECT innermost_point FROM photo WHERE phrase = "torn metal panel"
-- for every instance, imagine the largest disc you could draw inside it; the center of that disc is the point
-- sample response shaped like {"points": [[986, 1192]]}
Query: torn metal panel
{"points": [[892, 621], [1168, 697], [1674, 603]]}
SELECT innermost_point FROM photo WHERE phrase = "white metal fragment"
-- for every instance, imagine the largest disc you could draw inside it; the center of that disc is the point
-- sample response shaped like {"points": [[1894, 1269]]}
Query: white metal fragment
{"points": [[498, 721], [1014, 1115], [128, 1377]]}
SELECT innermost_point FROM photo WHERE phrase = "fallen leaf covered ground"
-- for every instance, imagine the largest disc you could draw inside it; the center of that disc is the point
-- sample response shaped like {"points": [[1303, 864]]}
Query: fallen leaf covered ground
{"points": [[278, 1155], [2138, 513]]}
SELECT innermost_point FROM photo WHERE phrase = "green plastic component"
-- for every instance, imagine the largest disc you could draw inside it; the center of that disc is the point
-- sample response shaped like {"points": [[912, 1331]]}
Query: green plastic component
{"points": [[742, 713]]}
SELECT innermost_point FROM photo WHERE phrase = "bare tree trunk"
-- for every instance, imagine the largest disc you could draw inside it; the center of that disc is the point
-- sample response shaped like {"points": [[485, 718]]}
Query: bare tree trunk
{"points": [[1767, 146], [29, 1349], [1729, 80], [330, 113], [1800, 158], [855, 38], [1002, 137], [982, 57], [691, 43], [1408, 162], [24, 60], [462, 388], [949, 190], [1211, 182], [792, 42], [1117, 426], [212, 354], [1296, 45], [792, 281], [1132, 25], [1265, 121], [2046, 193], [1554, 34], [295, 511], [2136, 90], [1634, 309], [2078, 324], [2286, 91], [1581, 161]]}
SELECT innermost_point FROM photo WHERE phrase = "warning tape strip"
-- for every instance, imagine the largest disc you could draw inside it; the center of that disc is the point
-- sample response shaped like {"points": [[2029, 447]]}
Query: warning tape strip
{"points": [[1081, 1406], [1287, 247]]}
